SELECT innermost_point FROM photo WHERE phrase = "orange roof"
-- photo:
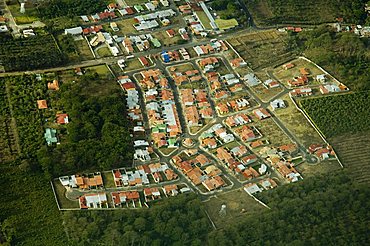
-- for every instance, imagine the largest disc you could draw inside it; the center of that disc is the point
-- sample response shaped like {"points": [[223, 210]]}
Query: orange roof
{"points": [[42, 104], [53, 85]]}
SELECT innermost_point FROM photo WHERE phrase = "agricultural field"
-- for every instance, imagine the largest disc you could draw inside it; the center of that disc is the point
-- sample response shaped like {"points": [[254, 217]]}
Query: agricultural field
{"points": [[262, 49], [339, 114], [238, 204], [271, 12], [353, 151], [297, 123], [40, 51], [9, 146]]}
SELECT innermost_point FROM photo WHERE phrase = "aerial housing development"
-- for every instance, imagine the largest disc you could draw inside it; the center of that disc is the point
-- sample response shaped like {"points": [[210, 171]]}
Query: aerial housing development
{"points": [[174, 119]]}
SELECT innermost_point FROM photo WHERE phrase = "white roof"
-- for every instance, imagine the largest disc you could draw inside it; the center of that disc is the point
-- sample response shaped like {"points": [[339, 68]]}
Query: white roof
{"points": [[252, 189], [73, 31]]}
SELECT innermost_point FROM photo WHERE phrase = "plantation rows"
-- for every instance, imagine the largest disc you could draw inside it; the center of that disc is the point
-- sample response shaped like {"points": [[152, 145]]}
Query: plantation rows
{"points": [[24, 92], [30, 53], [353, 151], [336, 115]]}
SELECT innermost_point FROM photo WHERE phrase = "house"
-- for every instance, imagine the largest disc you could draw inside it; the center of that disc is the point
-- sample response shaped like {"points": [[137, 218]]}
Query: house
{"points": [[213, 183], [143, 61], [301, 92], [42, 104], [238, 62], [170, 190], [277, 103], [304, 71], [114, 26], [326, 89], [50, 136], [271, 83], [128, 45], [171, 33], [261, 113], [124, 197], [202, 160], [252, 188], [288, 66], [268, 183], [321, 78], [151, 194], [62, 119], [53, 85], [298, 81], [73, 31], [94, 200], [170, 174], [251, 79]]}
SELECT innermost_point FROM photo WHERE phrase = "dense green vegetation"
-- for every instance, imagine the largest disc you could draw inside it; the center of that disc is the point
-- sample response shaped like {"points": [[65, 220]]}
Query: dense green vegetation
{"points": [[28, 212], [178, 221], [30, 53], [344, 55], [229, 10], [97, 136], [339, 114], [272, 12], [324, 210], [56, 8], [24, 91]]}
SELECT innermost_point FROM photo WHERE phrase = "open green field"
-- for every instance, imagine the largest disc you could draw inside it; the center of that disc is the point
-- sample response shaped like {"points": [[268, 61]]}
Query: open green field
{"points": [[84, 50], [266, 94], [99, 69], [238, 204], [27, 18], [271, 132], [60, 193], [126, 26], [103, 52], [353, 151], [226, 24], [204, 19], [262, 49], [165, 39], [271, 12], [297, 123]]}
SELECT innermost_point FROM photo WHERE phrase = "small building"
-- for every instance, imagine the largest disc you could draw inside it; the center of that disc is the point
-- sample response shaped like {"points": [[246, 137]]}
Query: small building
{"points": [[50, 136], [53, 85], [62, 119], [277, 103], [170, 32], [261, 113], [288, 66], [42, 104], [252, 188], [73, 31]]}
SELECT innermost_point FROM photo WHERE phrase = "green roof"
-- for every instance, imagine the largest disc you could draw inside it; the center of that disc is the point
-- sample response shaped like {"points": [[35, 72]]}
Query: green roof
{"points": [[156, 42], [139, 7], [171, 141], [50, 136]]}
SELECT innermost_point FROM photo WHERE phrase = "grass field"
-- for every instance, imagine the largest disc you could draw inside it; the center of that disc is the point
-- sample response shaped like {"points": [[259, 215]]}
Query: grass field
{"points": [[165, 39], [262, 49], [100, 69], [266, 94], [270, 131], [353, 151], [238, 204], [297, 123], [126, 26], [204, 19], [103, 52], [108, 179], [226, 24], [63, 201], [83, 50], [27, 18], [324, 167]]}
